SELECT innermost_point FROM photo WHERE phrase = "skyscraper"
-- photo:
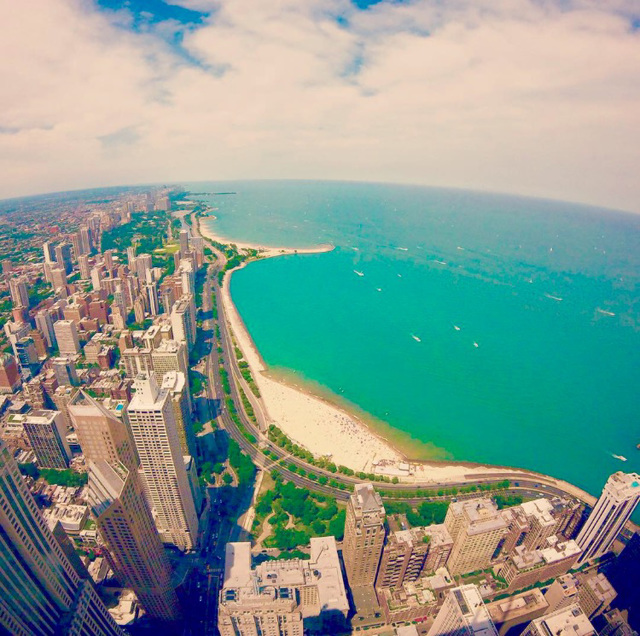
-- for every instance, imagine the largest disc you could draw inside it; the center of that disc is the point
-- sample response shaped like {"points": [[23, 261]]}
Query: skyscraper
{"points": [[64, 257], [619, 497], [67, 337], [119, 506], [476, 528], [364, 535], [463, 613], [42, 592], [184, 242], [9, 375], [44, 322], [18, 291], [157, 441], [49, 254], [47, 435], [125, 522], [183, 321]]}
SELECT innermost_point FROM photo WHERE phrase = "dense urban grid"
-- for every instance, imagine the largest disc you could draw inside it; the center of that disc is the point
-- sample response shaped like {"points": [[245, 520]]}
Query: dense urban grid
{"points": [[141, 487]]}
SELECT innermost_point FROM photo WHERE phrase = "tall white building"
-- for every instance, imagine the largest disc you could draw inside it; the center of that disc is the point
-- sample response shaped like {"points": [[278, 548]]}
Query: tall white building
{"points": [[463, 613], [67, 337], [154, 429], [619, 497], [183, 321]]}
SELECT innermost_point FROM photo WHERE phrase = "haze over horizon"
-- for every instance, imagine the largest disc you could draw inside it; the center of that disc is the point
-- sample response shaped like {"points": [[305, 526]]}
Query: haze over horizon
{"points": [[530, 98]]}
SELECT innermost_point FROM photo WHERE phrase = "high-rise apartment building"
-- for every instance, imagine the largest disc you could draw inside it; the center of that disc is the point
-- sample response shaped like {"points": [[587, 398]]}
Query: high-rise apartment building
{"points": [[569, 621], [49, 253], [120, 508], [85, 266], [19, 293], [463, 613], [85, 239], [44, 322], [144, 262], [403, 557], [541, 521], [64, 257], [595, 594], [27, 356], [117, 501], [183, 321], [157, 441], [47, 435], [42, 592], [619, 497], [101, 435], [169, 355], [9, 374], [58, 277], [364, 535], [176, 385], [477, 529], [67, 337], [184, 242]]}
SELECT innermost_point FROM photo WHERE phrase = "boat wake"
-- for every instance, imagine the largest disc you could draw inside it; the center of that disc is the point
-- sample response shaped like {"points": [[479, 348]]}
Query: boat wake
{"points": [[553, 297], [355, 271], [605, 312]]}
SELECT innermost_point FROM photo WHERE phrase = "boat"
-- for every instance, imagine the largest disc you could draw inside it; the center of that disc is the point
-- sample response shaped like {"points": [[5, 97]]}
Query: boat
{"points": [[553, 297], [404, 249], [359, 273], [435, 260], [620, 457], [416, 338], [476, 345], [378, 288], [456, 327], [605, 312]]}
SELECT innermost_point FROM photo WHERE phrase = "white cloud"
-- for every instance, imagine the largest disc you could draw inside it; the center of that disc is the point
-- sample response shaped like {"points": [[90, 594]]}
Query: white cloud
{"points": [[506, 96]]}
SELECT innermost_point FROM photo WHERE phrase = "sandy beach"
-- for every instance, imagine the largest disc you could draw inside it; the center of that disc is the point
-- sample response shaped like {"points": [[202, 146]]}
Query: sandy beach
{"points": [[320, 426]]}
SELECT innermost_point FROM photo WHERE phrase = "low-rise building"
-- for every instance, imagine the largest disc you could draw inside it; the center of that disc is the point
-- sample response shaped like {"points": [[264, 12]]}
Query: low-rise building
{"points": [[283, 598], [516, 610], [526, 567]]}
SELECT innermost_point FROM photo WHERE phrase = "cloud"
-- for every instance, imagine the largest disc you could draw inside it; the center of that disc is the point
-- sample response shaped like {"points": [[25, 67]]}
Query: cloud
{"points": [[533, 97]]}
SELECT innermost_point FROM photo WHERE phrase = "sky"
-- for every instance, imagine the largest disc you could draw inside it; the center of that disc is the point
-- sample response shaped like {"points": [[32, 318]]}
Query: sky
{"points": [[533, 97]]}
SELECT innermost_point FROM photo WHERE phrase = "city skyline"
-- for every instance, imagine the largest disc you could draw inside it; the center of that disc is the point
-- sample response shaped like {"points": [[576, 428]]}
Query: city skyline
{"points": [[536, 99]]}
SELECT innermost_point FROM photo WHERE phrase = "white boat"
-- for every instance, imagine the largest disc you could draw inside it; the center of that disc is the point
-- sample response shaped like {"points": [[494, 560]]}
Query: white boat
{"points": [[553, 297], [476, 345], [620, 457], [378, 288], [435, 260], [416, 338], [355, 271], [456, 327], [605, 312], [404, 249]]}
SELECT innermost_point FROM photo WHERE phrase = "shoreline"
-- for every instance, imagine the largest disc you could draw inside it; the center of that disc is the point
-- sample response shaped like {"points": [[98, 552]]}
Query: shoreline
{"points": [[314, 422]]}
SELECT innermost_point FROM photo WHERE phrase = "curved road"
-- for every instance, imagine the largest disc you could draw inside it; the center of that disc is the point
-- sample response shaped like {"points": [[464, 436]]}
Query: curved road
{"points": [[522, 482]]}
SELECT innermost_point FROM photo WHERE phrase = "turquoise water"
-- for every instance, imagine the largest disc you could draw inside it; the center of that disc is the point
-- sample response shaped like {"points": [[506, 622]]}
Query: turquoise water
{"points": [[552, 384]]}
